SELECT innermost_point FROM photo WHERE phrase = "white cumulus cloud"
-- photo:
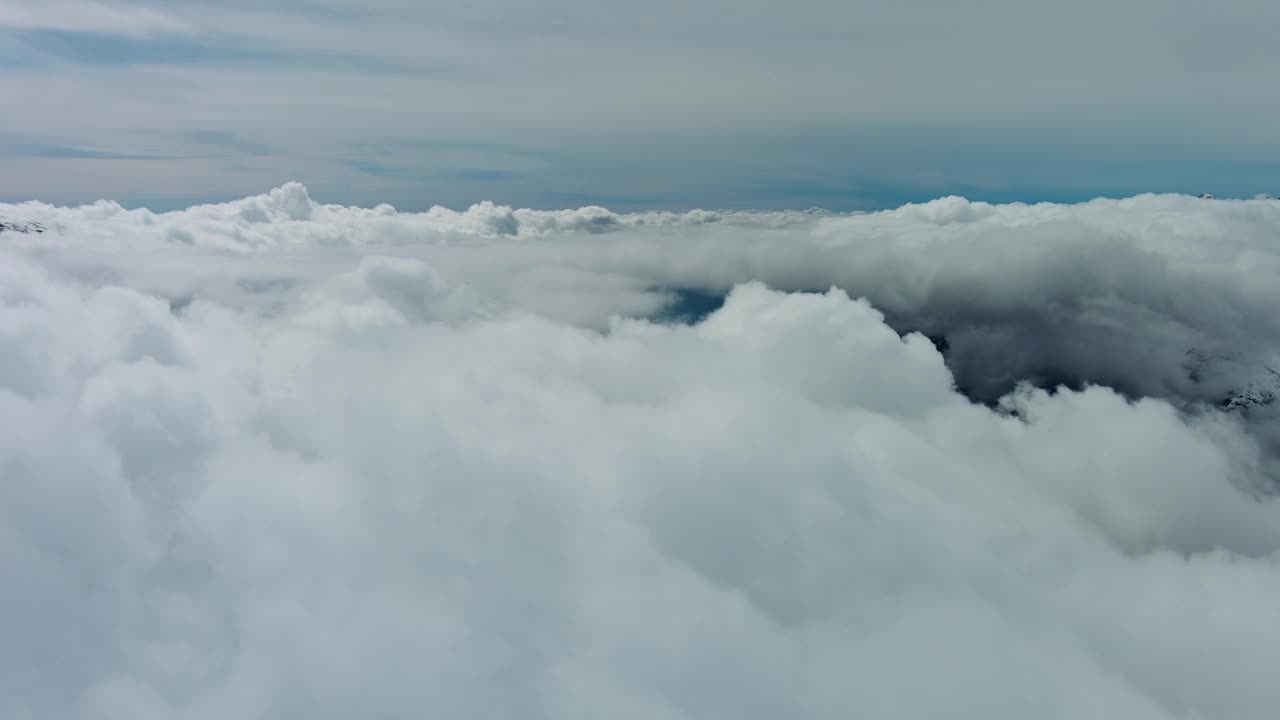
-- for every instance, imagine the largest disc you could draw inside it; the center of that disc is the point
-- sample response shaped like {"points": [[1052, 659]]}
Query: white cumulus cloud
{"points": [[278, 459]]}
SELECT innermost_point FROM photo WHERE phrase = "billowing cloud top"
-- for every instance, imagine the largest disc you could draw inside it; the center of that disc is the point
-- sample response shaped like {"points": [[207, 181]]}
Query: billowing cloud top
{"points": [[275, 458]]}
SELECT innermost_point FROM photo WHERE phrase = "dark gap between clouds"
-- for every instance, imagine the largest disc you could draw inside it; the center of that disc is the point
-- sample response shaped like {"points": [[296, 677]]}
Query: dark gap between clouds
{"points": [[984, 383]]}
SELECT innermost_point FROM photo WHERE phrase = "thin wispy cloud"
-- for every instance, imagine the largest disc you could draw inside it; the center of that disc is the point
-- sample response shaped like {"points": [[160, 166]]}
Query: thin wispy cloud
{"points": [[1072, 100], [130, 19]]}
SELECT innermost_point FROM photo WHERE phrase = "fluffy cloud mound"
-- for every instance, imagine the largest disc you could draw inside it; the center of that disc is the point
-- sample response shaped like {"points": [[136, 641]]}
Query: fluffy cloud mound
{"points": [[280, 459]]}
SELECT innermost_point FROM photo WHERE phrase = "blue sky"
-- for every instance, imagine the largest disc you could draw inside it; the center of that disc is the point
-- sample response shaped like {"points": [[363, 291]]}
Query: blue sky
{"points": [[844, 105]]}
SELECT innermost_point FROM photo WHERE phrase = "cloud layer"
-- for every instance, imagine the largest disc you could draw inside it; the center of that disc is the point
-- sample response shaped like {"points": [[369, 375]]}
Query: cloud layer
{"points": [[278, 459]]}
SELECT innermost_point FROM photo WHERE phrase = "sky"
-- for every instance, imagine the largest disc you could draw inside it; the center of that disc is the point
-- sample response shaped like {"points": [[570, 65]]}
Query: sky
{"points": [[848, 104], [276, 459]]}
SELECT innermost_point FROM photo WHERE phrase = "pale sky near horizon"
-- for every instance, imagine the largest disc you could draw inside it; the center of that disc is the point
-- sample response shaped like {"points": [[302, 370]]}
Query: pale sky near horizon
{"points": [[561, 103]]}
